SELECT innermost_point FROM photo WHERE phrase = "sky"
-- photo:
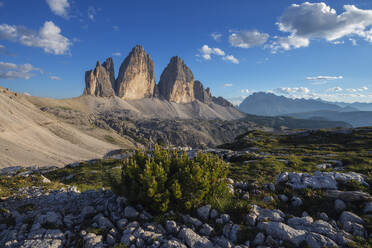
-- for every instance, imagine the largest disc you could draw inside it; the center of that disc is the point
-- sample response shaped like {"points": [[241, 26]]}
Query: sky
{"points": [[293, 48]]}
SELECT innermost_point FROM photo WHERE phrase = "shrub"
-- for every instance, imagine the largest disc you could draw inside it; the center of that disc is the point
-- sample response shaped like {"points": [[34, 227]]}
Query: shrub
{"points": [[164, 180]]}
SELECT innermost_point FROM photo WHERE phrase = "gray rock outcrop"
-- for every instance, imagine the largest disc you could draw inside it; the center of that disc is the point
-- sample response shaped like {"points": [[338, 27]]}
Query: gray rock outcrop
{"points": [[136, 79], [201, 94], [98, 81], [177, 82]]}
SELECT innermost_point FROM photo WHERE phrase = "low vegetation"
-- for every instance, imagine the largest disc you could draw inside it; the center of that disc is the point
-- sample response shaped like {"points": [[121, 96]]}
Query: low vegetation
{"points": [[167, 180]]}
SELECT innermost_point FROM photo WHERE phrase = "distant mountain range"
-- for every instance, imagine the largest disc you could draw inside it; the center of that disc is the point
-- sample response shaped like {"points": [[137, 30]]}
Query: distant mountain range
{"points": [[268, 104]]}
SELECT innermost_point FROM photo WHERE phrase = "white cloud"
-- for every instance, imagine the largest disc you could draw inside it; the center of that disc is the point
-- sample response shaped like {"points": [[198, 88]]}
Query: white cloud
{"points": [[54, 78], [353, 41], [338, 42], [361, 89], [14, 71], [248, 38], [49, 37], [335, 89], [59, 7], [245, 91], [6, 66], [293, 91], [227, 85], [116, 54], [231, 58], [92, 12], [324, 78], [206, 52], [307, 21], [216, 36]]}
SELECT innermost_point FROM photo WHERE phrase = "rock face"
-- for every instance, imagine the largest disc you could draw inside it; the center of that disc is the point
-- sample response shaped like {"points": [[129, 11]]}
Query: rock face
{"points": [[109, 66], [177, 82], [201, 94], [136, 79], [98, 81], [222, 101]]}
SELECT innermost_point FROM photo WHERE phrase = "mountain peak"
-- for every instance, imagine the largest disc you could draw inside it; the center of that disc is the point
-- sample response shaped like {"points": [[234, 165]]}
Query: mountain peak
{"points": [[262, 103], [136, 79], [98, 82], [177, 82]]}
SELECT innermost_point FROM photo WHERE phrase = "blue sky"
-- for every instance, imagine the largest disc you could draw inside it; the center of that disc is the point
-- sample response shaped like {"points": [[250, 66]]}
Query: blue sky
{"points": [[291, 48]]}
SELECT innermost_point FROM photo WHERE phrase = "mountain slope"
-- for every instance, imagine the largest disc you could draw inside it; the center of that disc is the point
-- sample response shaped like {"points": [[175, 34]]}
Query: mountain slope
{"points": [[29, 136], [268, 104]]}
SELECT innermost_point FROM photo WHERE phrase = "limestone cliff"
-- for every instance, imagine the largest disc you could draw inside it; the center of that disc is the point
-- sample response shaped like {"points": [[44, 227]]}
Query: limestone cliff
{"points": [[177, 82], [201, 94], [109, 66], [98, 83], [136, 79], [222, 101]]}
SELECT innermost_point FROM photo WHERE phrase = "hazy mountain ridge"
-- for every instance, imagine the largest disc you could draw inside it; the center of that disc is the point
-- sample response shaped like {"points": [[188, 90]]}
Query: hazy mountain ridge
{"points": [[268, 104]]}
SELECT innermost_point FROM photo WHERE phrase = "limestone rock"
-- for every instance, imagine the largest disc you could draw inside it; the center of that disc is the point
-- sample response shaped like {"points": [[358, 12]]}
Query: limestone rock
{"points": [[282, 231], [177, 82], [201, 94], [222, 101], [98, 82], [109, 66], [348, 196], [136, 79]]}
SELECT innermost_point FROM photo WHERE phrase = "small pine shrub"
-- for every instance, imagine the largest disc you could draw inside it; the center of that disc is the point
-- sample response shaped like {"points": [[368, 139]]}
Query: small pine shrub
{"points": [[165, 180]]}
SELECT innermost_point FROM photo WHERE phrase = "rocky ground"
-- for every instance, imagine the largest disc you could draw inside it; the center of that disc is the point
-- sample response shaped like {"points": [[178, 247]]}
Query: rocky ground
{"points": [[40, 217], [283, 196]]}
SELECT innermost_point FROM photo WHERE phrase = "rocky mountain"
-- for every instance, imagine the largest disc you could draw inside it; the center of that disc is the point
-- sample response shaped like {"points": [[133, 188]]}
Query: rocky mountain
{"points": [[109, 66], [98, 82], [136, 79], [177, 82], [355, 118], [269, 104], [201, 94]]}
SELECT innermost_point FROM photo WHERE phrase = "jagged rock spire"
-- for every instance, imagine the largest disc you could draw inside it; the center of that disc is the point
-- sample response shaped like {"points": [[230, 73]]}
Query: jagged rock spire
{"points": [[177, 82], [98, 83], [136, 79]]}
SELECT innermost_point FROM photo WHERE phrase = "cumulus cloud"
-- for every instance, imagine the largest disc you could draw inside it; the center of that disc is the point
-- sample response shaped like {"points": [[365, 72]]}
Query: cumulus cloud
{"points": [[216, 36], [116, 54], [59, 7], [55, 78], [92, 12], [14, 71], [248, 38], [227, 85], [307, 21], [245, 91], [335, 89], [288, 91], [206, 52], [353, 41], [324, 78], [361, 89], [231, 58], [49, 37]]}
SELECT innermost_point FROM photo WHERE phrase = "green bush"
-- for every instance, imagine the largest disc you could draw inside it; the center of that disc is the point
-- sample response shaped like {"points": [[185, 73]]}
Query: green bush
{"points": [[165, 180]]}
